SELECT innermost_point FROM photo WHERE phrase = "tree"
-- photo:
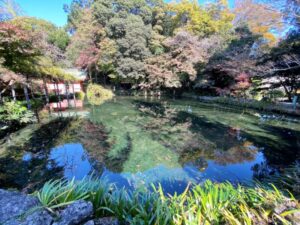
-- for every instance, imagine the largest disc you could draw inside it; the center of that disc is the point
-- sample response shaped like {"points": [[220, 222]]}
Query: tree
{"points": [[17, 47], [203, 21], [9, 9], [233, 67], [262, 18], [180, 64], [281, 67], [76, 11]]}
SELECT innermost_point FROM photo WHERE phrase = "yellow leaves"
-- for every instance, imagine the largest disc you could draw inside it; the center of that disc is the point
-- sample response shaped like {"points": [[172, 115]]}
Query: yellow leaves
{"points": [[189, 15], [262, 19]]}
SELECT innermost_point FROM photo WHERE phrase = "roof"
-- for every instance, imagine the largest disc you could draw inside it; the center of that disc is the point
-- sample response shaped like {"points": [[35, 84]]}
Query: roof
{"points": [[79, 74]]}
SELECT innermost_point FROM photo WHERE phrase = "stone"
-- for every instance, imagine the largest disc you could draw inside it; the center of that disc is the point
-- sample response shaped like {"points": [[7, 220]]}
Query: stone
{"points": [[107, 221], [76, 213], [36, 218], [17, 209]]}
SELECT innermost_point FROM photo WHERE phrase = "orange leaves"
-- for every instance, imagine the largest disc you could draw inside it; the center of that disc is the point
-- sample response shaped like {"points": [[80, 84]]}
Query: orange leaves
{"points": [[262, 19]]}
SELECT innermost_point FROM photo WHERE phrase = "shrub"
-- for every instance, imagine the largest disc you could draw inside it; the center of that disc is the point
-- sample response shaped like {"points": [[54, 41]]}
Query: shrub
{"points": [[53, 98], [15, 112], [209, 203], [80, 95], [97, 95]]}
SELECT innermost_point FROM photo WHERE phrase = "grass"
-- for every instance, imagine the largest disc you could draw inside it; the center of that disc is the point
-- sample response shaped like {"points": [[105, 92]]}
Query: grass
{"points": [[209, 203]]}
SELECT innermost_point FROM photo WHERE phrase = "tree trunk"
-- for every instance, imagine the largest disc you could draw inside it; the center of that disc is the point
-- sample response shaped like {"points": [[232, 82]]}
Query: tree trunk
{"points": [[58, 95], [74, 96], [27, 96], [32, 91], [46, 93], [13, 92], [90, 74], [67, 93]]}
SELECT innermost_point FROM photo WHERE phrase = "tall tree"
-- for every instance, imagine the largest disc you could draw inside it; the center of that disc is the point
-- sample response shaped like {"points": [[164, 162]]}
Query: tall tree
{"points": [[262, 18], [203, 21], [9, 9]]}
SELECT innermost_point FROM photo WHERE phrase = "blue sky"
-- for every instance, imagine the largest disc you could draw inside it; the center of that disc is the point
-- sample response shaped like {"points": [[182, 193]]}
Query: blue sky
{"points": [[51, 10]]}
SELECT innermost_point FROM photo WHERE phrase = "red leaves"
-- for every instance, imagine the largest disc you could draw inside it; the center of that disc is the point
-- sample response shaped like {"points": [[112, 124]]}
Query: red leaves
{"points": [[11, 33], [88, 57]]}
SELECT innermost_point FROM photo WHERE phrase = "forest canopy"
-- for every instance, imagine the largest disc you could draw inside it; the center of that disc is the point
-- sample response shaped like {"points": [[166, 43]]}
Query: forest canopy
{"points": [[213, 47]]}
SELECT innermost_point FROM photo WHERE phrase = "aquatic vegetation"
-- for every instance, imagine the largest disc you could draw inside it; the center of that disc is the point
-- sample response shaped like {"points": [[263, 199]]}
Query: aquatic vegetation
{"points": [[209, 203], [97, 95], [134, 148]]}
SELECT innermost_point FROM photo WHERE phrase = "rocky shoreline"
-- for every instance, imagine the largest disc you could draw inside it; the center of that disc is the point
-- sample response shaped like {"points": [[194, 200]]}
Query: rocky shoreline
{"points": [[20, 209]]}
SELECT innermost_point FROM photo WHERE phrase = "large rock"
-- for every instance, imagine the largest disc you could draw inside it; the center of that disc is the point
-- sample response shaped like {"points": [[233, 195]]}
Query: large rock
{"points": [[76, 213], [19, 209]]}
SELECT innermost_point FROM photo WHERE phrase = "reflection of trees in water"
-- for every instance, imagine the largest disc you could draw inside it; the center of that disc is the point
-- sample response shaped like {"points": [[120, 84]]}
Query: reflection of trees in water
{"points": [[115, 163], [237, 154], [165, 127], [94, 139], [27, 176], [196, 138]]}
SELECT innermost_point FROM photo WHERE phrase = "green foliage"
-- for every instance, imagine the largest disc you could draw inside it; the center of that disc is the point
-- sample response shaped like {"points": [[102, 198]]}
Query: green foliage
{"points": [[208, 203], [80, 95], [15, 111], [97, 94], [189, 15], [59, 38]]}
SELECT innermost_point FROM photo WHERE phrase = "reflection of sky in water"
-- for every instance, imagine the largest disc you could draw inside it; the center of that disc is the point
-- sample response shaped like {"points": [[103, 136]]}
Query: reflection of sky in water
{"points": [[76, 163], [73, 159]]}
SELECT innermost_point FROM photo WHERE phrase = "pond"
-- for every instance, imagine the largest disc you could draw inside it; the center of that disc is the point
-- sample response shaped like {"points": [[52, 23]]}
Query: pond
{"points": [[135, 142]]}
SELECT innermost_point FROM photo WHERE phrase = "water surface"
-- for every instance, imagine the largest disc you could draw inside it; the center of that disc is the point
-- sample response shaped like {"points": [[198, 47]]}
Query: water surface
{"points": [[134, 142]]}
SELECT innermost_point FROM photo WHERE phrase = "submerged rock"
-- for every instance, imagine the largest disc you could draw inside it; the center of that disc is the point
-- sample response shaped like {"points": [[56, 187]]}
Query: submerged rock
{"points": [[19, 209], [76, 213]]}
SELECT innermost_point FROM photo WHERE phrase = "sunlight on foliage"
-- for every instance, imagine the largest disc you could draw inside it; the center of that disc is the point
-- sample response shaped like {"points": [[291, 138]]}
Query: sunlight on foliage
{"points": [[208, 203]]}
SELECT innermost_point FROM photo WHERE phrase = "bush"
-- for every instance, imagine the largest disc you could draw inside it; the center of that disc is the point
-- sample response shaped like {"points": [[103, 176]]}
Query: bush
{"points": [[97, 95], [275, 94], [15, 112], [80, 95], [53, 98], [209, 203]]}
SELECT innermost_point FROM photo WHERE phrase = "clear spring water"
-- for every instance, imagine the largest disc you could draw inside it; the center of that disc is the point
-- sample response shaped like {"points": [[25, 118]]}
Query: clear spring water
{"points": [[143, 141]]}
